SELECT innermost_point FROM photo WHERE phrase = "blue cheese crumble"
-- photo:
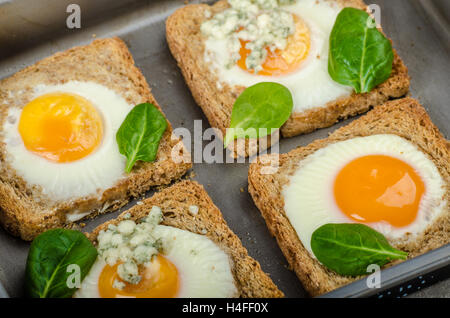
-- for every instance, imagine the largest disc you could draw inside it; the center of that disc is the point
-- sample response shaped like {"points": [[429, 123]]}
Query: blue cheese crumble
{"points": [[193, 210], [260, 23], [130, 243]]}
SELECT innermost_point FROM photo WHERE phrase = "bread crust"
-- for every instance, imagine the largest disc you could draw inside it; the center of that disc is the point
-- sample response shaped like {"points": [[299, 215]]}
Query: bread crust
{"points": [[187, 46], [175, 201], [405, 118], [24, 210]]}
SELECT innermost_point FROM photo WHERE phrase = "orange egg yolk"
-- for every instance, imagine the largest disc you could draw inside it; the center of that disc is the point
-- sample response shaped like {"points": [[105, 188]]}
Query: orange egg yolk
{"points": [[379, 188], [61, 127], [159, 280], [281, 62]]}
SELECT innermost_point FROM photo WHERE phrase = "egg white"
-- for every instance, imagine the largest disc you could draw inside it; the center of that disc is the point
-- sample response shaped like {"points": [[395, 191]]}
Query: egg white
{"points": [[309, 198], [311, 85], [203, 267], [98, 171]]}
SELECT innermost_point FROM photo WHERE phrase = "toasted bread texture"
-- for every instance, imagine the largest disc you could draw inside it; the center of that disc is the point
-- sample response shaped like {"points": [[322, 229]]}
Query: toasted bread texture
{"points": [[174, 202], [405, 118], [187, 46], [24, 210]]}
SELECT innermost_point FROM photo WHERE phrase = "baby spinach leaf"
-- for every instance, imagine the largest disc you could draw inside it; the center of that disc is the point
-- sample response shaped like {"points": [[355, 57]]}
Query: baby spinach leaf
{"points": [[348, 249], [262, 106], [360, 56], [139, 135], [50, 255]]}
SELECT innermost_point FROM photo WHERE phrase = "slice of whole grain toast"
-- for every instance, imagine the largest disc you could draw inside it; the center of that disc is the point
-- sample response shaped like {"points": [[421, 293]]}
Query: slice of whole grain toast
{"points": [[186, 43], [24, 210], [174, 202], [405, 118]]}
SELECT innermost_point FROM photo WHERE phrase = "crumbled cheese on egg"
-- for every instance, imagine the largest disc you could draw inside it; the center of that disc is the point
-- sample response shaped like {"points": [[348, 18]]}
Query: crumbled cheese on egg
{"points": [[126, 227], [260, 23], [129, 272], [130, 243], [118, 284]]}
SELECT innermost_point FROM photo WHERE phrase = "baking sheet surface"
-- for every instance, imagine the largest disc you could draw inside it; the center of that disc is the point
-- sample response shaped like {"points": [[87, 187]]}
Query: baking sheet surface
{"points": [[418, 34]]}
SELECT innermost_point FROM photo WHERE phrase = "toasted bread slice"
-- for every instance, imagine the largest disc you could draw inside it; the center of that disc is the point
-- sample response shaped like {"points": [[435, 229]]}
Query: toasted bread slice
{"points": [[174, 202], [25, 211], [187, 46], [405, 118]]}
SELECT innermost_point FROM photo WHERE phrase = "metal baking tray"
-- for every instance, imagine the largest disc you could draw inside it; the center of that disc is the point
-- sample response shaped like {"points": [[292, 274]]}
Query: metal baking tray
{"points": [[31, 30]]}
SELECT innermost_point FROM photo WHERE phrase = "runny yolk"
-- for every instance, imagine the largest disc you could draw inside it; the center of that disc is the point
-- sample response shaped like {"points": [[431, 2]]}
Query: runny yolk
{"points": [[61, 127], [281, 62], [160, 279], [379, 188]]}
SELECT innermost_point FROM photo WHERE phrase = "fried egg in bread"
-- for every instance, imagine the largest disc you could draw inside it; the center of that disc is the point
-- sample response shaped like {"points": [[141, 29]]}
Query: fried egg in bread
{"points": [[383, 181], [63, 140], [188, 265], [302, 66]]}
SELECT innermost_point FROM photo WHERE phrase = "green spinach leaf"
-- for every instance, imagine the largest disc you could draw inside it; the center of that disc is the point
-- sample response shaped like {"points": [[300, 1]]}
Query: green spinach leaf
{"points": [[264, 106], [50, 254], [360, 56], [348, 249], [139, 135]]}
